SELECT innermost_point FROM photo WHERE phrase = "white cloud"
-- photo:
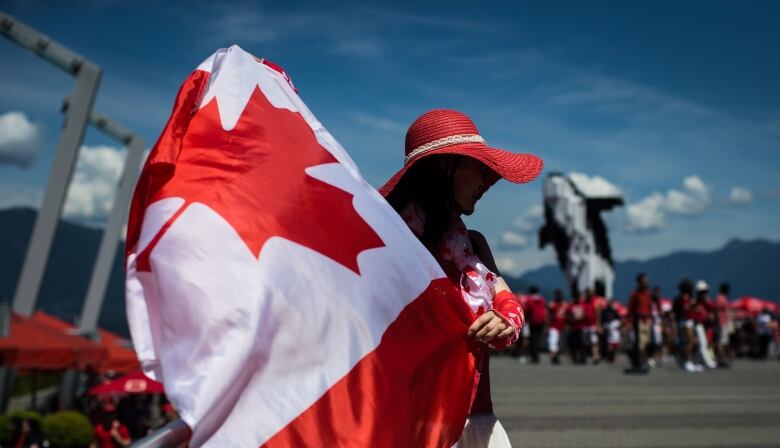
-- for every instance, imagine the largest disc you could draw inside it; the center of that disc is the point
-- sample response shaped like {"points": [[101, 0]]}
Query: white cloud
{"points": [[515, 263], [692, 201], [523, 230], [595, 186], [697, 186], [19, 139], [507, 265], [343, 33], [511, 239], [740, 196], [373, 121], [91, 193], [649, 214], [19, 196], [529, 221]]}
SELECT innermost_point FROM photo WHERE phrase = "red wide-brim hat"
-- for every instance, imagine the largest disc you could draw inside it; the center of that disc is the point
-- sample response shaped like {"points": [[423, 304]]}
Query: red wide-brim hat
{"points": [[443, 131]]}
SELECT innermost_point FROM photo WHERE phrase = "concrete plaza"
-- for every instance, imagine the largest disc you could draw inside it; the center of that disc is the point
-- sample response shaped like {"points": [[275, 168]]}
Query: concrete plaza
{"points": [[599, 406]]}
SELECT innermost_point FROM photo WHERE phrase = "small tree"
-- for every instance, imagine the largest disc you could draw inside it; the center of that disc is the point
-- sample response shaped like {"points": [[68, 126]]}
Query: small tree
{"points": [[7, 421], [67, 429]]}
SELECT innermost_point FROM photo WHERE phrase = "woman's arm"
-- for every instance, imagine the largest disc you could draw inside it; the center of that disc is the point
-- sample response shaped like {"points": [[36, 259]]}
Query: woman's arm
{"points": [[501, 325]]}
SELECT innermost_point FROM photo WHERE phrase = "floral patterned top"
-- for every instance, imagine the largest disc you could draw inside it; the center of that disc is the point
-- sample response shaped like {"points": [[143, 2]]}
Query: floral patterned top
{"points": [[477, 282]]}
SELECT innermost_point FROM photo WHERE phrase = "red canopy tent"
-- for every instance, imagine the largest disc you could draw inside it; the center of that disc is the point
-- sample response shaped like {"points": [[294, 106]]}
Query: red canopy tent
{"points": [[753, 305], [133, 383], [119, 358], [34, 346]]}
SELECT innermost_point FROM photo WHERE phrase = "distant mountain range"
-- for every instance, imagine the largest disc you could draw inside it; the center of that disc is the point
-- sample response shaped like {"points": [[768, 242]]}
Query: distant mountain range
{"points": [[67, 274], [751, 267]]}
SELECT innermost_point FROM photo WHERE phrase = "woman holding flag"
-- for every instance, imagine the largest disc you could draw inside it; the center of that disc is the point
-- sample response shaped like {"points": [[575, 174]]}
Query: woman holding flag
{"points": [[447, 168], [216, 221]]}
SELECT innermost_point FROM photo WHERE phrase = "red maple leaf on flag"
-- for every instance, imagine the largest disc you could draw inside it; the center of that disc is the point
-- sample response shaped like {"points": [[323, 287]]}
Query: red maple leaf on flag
{"points": [[254, 177]]}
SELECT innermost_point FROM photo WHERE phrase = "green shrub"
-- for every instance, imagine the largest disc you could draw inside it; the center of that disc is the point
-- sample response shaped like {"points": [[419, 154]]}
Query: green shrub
{"points": [[6, 420], [67, 429], [6, 430]]}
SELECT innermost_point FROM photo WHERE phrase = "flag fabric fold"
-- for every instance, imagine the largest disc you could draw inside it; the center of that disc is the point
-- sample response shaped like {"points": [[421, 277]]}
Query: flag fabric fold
{"points": [[273, 291]]}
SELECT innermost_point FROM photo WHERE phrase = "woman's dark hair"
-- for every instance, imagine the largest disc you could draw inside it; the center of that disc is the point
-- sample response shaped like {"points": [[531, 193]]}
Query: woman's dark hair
{"points": [[429, 185]]}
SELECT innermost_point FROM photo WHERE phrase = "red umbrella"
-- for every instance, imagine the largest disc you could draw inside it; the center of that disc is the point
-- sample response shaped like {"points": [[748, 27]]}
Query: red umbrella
{"points": [[753, 305], [133, 383]]}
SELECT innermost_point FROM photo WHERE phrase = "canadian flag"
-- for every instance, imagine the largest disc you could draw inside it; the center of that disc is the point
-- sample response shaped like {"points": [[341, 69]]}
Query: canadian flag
{"points": [[274, 292]]}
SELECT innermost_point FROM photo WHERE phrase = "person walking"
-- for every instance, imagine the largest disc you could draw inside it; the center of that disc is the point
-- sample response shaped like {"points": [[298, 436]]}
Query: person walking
{"points": [[611, 326], [557, 327], [536, 314], [724, 326], [640, 312], [575, 320]]}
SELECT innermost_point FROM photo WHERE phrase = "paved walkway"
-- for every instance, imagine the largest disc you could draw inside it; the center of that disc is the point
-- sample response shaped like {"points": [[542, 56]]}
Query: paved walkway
{"points": [[599, 406]]}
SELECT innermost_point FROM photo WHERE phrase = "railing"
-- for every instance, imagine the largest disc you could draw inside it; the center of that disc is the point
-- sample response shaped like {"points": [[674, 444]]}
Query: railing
{"points": [[174, 434]]}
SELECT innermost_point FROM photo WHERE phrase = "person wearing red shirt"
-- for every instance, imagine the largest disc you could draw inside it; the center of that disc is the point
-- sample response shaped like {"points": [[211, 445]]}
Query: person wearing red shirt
{"points": [[685, 325], [654, 348], [724, 325], [575, 319], [611, 323], [536, 316], [639, 308], [557, 324], [27, 434], [592, 312], [701, 310], [111, 433], [521, 347]]}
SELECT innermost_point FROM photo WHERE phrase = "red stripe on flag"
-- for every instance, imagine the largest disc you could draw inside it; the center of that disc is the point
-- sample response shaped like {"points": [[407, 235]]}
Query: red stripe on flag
{"points": [[413, 390]]}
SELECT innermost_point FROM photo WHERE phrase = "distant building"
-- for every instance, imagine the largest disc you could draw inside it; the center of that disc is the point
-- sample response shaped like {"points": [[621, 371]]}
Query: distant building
{"points": [[573, 225]]}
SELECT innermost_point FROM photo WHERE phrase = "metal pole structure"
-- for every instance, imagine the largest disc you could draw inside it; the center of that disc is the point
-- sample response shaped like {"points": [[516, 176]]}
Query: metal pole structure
{"points": [[79, 111], [104, 263], [174, 434], [107, 251], [7, 375]]}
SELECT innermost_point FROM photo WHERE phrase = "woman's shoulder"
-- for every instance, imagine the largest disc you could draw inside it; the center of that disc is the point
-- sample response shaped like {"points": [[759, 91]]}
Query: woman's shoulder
{"points": [[482, 249], [478, 238]]}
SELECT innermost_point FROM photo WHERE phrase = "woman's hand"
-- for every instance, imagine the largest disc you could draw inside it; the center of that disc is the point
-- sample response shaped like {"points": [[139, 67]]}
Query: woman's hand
{"points": [[488, 327]]}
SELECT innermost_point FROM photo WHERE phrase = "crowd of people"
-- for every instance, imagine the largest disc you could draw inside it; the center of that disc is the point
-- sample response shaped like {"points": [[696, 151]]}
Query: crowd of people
{"points": [[114, 421], [120, 420], [693, 330]]}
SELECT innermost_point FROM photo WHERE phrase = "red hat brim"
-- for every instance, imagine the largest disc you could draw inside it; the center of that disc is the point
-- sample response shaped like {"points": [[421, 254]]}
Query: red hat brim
{"points": [[516, 168]]}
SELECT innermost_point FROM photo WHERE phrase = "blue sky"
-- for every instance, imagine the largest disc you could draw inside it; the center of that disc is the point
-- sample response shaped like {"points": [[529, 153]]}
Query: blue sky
{"points": [[677, 104]]}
